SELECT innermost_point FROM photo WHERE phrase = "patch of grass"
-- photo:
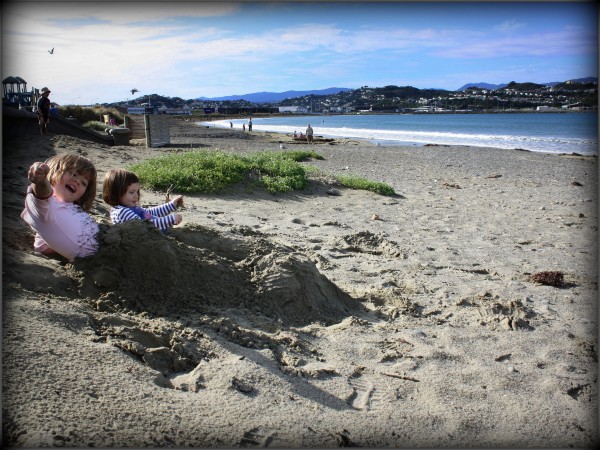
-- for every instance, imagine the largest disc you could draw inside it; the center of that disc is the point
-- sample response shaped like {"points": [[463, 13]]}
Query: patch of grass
{"points": [[279, 172], [210, 172], [354, 182], [302, 155], [202, 171]]}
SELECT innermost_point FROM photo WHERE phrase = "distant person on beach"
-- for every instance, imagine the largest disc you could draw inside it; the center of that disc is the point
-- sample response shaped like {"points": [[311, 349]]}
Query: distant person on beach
{"points": [[309, 134], [295, 135], [121, 190], [43, 110], [62, 190], [230, 124], [244, 126], [250, 124]]}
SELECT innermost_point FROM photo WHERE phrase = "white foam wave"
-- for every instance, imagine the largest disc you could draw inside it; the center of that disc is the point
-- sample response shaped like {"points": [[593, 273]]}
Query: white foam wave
{"points": [[548, 144]]}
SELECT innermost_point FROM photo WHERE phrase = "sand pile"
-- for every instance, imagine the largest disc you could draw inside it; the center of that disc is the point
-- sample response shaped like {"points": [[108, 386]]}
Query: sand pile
{"points": [[196, 270]]}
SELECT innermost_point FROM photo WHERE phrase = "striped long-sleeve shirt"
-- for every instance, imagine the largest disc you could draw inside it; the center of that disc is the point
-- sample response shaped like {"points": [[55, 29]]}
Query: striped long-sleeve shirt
{"points": [[159, 215]]}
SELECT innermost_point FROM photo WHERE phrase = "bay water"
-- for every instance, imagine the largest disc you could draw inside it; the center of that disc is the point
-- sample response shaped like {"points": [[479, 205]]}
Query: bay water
{"points": [[572, 132]]}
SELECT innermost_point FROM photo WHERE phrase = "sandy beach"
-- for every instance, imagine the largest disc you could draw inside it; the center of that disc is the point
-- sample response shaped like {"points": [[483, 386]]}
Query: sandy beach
{"points": [[327, 317]]}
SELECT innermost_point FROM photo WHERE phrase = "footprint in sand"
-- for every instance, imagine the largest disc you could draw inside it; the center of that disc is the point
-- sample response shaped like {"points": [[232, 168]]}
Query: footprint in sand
{"points": [[362, 393], [258, 437]]}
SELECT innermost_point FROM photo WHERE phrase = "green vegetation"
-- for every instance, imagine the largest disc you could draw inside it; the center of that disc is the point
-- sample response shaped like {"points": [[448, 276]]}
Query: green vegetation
{"points": [[92, 117], [354, 182], [97, 126], [198, 171], [90, 114], [210, 172]]}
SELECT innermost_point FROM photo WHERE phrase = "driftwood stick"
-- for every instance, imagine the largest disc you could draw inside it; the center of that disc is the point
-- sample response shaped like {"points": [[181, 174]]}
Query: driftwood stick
{"points": [[168, 196], [402, 377]]}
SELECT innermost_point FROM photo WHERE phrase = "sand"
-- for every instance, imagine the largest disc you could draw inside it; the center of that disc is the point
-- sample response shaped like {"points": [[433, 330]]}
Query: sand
{"points": [[321, 318]]}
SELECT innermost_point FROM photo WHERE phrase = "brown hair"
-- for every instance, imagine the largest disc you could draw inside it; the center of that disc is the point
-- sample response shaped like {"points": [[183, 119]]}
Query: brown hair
{"points": [[116, 182], [60, 164]]}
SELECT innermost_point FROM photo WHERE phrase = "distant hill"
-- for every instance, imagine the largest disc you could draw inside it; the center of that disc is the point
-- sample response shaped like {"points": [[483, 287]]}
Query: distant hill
{"points": [[583, 80], [482, 85], [273, 97], [493, 87], [387, 98]]}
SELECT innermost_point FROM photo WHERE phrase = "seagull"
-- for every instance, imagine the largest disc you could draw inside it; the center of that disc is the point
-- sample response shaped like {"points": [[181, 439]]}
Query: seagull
{"points": [[51, 51]]}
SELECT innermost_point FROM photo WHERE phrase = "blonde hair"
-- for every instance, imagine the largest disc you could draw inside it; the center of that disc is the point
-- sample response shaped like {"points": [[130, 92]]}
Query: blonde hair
{"points": [[116, 182], [60, 164]]}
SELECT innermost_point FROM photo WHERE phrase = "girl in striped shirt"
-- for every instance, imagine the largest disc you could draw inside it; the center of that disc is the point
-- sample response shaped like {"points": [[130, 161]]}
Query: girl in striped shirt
{"points": [[121, 190]]}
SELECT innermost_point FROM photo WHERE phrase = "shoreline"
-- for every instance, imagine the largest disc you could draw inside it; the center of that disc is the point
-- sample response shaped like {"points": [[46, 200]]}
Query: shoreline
{"points": [[384, 142], [376, 321]]}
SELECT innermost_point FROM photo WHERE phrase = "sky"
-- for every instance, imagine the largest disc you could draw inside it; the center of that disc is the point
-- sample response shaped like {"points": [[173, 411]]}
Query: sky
{"points": [[191, 49]]}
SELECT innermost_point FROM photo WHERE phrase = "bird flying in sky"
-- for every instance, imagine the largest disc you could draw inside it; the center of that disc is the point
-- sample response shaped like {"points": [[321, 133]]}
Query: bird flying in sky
{"points": [[51, 51], [133, 91]]}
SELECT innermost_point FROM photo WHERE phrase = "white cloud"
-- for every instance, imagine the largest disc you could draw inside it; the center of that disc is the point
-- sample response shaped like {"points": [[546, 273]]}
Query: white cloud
{"points": [[508, 26], [119, 13], [553, 43], [105, 49]]}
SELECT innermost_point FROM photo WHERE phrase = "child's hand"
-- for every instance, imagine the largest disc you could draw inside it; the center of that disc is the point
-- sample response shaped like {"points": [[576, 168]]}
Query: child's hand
{"points": [[38, 175], [38, 172], [178, 201], [178, 218]]}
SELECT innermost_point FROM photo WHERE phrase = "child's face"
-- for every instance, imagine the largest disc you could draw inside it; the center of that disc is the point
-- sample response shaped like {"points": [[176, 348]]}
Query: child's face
{"points": [[71, 186], [131, 196]]}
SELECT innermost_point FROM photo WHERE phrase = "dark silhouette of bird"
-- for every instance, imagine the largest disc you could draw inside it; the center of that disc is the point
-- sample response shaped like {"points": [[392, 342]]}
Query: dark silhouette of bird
{"points": [[133, 91], [51, 51]]}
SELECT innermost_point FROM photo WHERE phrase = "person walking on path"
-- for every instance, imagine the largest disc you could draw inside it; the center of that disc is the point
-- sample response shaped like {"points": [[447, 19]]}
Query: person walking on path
{"points": [[309, 134], [43, 110]]}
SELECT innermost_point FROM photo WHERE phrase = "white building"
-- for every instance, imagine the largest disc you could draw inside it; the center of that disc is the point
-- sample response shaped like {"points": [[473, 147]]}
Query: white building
{"points": [[293, 109]]}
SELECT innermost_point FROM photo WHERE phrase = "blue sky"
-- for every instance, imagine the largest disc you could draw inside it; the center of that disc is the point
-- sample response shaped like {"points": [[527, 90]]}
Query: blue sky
{"points": [[192, 48]]}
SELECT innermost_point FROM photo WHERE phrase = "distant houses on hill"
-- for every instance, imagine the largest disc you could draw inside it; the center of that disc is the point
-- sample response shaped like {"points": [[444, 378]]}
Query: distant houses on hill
{"points": [[185, 110]]}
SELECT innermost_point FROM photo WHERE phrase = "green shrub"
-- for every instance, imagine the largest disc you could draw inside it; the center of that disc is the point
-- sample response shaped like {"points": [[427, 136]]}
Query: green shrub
{"points": [[210, 172]]}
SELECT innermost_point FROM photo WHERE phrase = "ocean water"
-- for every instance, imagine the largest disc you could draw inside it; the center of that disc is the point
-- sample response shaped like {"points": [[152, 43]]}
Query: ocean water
{"points": [[538, 132]]}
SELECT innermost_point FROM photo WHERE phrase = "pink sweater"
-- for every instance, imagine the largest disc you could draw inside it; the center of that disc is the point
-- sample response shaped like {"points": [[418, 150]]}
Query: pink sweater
{"points": [[63, 227]]}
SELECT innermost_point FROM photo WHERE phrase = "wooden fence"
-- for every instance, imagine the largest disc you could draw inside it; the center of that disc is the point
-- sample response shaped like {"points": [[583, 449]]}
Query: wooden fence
{"points": [[155, 128]]}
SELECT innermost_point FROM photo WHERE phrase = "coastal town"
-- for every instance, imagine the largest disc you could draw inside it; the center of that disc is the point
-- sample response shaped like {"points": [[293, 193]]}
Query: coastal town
{"points": [[570, 95]]}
